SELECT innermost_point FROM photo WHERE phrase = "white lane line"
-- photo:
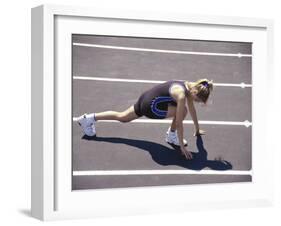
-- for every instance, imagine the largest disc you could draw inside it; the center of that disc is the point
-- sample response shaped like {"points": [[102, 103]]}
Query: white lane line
{"points": [[239, 55], [159, 172], [241, 85], [246, 123]]}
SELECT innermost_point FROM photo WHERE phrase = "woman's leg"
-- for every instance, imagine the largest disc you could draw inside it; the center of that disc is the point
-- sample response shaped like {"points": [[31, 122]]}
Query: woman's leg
{"points": [[87, 121], [171, 135], [172, 111], [124, 116]]}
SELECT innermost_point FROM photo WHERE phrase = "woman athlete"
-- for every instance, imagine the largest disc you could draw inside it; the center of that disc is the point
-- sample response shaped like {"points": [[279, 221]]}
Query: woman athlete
{"points": [[172, 99]]}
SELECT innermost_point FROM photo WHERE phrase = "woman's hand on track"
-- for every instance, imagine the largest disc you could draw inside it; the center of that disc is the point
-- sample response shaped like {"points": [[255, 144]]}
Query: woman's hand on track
{"points": [[186, 153]]}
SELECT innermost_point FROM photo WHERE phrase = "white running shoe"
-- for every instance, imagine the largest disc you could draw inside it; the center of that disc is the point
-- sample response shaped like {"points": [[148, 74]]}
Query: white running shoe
{"points": [[87, 122], [172, 138]]}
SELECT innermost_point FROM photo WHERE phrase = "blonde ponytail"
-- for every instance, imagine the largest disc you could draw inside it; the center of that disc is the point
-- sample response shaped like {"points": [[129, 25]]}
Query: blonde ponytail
{"points": [[204, 88]]}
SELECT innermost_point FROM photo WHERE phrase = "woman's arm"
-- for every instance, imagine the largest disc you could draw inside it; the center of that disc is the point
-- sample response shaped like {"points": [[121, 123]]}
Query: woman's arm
{"points": [[193, 114], [178, 94], [179, 122], [180, 116]]}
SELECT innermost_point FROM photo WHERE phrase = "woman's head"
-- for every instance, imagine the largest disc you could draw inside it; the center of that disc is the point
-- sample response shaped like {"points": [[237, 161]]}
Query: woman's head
{"points": [[201, 90]]}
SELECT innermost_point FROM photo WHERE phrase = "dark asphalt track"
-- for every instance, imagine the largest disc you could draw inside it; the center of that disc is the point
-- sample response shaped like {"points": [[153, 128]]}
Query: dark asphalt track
{"points": [[141, 146]]}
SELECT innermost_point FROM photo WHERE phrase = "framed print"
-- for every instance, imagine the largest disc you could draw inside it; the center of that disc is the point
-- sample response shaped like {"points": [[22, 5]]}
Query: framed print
{"points": [[117, 97]]}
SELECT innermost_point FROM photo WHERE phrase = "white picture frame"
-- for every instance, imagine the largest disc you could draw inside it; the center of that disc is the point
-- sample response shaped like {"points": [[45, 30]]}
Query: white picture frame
{"points": [[52, 197]]}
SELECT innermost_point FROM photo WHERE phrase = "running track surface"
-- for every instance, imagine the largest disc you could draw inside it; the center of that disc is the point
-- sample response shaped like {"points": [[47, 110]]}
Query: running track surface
{"points": [[140, 147]]}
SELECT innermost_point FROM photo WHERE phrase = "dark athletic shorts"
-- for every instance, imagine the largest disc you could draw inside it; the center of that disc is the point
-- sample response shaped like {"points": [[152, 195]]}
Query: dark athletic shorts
{"points": [[146, 107]]}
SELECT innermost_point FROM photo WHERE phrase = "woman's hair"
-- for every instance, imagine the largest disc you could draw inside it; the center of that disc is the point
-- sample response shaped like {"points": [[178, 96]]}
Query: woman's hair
{"points": [[204, 88]]}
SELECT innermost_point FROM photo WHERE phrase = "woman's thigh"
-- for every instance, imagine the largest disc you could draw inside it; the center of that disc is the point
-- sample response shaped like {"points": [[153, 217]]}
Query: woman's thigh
{"points": [[172, 111], [129, 114]]}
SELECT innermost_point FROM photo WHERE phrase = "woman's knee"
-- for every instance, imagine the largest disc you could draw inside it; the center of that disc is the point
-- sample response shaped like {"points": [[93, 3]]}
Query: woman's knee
{"points": [[172, 111], [122, 117], [185, 111]]}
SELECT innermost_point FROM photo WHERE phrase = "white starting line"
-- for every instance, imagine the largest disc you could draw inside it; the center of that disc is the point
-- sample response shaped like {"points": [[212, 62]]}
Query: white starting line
{"points": [[246, 123], [159, 172], [239, 55], [241, 85]]}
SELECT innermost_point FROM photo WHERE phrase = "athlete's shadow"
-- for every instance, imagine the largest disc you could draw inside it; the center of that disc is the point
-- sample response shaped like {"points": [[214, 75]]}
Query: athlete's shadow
{"points": [[164, 155]]}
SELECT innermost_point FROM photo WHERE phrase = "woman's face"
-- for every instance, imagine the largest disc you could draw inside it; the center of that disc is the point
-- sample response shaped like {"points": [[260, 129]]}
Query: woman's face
{"points": [[194, 96], [196, 99]]}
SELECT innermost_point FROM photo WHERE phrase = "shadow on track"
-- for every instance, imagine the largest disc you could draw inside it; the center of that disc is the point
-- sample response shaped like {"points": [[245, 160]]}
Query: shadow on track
{"points": [[164, 155]]}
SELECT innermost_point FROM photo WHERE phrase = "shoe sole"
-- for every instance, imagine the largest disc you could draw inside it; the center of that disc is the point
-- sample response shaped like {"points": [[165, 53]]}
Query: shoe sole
{"points": [[86, 134]]}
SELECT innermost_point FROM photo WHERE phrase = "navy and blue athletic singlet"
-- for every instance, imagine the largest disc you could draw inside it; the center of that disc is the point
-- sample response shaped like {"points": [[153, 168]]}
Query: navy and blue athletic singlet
{"points": [[154, 102]]}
